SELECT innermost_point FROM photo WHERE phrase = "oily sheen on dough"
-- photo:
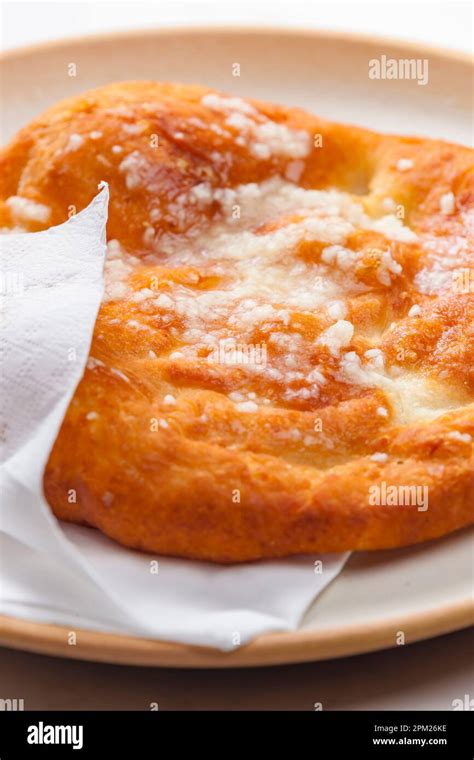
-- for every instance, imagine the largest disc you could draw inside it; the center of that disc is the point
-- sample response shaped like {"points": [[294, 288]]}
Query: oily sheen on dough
{"points": [[288, 322]]}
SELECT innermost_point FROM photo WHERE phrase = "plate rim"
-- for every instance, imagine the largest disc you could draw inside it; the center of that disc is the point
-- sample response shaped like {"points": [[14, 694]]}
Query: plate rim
{"points": [[282, 648], [276, 648]]}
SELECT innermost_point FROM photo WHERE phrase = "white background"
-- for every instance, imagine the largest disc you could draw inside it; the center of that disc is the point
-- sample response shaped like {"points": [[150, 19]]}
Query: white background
{"points": [[448, 24]]}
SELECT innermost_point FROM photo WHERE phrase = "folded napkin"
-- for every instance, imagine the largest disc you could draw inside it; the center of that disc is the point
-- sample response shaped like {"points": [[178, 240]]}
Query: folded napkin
{"points": [[51, 288]]}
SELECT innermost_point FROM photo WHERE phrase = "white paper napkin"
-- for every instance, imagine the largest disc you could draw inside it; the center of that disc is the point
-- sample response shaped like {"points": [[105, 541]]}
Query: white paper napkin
{"points": [[52, 285]]}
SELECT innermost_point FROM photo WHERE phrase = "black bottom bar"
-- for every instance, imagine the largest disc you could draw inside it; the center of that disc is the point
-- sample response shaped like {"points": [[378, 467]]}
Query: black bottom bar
{"points": [[375, 734]]}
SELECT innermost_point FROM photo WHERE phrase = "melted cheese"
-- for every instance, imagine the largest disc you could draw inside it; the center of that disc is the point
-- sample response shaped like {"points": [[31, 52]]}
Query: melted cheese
{"points": [[260, 283]]}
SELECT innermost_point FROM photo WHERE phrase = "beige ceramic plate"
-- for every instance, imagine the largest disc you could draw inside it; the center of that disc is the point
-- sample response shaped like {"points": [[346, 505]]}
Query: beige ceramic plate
{"points": [[379, 599]]}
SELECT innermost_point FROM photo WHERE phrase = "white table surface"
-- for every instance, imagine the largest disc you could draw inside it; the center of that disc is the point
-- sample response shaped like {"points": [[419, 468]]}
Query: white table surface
{"points": [[423, 676], [448, 24], [427, 675]]}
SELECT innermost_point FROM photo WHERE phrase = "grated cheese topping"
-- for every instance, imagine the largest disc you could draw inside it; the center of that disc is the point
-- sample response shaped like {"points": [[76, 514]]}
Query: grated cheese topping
{"points": [[447, 203], [263, 137], [26, 210], [338, 336], [456, 435], [404, 164], [379, 456], [262, 288], [74, 142]]}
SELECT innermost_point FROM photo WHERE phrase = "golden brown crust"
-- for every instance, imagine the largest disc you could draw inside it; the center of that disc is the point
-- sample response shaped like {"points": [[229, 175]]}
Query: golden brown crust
{"points": [[159, 456]]}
